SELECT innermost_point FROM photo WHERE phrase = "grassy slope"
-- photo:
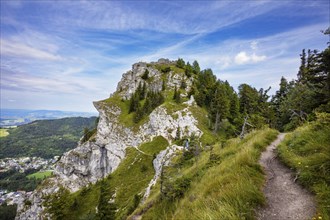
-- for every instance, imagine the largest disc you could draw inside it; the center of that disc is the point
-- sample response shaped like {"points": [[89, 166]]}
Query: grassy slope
{"points": [[129, 179], [45, 138], [226, 185], [307, 150], [40, 174]]}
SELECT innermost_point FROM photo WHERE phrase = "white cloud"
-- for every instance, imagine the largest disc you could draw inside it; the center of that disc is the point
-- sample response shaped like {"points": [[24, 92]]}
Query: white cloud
{"points": [[243, 58], [16, 49]]}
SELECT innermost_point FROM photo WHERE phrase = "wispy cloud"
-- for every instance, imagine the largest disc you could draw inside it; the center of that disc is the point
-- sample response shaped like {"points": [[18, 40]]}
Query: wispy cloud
{"points": [[77, 50], [16, 49]]}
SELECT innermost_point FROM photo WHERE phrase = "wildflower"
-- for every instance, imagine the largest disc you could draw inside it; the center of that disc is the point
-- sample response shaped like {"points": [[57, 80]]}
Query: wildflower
{"points": [[320, 217], [299, 163]]}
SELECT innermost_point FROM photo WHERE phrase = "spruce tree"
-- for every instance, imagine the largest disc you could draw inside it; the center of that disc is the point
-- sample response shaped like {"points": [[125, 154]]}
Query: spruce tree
{"points": [[196, 68]]}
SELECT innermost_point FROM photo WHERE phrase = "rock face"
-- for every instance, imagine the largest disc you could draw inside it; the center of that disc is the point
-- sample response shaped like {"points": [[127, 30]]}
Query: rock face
{"points": [[102, 154], [162, 159], [131, 79]]}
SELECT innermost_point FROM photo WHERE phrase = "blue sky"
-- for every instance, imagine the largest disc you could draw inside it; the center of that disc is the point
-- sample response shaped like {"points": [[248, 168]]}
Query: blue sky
{"points": [[65, 54]]}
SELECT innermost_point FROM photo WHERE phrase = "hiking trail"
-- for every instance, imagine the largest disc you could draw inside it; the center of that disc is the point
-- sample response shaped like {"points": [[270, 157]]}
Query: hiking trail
{"points": [[285, 199]]}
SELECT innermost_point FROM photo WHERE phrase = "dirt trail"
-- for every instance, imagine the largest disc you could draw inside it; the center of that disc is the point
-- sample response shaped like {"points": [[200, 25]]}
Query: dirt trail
{"points": [[284, 197]]}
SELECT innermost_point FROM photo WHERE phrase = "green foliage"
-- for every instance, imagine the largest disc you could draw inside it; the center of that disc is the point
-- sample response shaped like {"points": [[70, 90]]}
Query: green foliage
{"points": [[183, 84], [226, 183], [176, 189], [106, 208], [57, 204], [117, 195], [13, 180], [7, 212], [205, 87], [152, 100], [307, 150], [145, 75], [196, 68], [296, 102], [163, 85], [40, 175], [248, 99], [177, 95], [180, 63], [45, 138], [189, 70]]}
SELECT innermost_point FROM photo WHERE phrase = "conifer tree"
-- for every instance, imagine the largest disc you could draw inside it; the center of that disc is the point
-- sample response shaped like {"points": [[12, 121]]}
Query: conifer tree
{"points": [[163, 85], [196, 68], [180, 63]]}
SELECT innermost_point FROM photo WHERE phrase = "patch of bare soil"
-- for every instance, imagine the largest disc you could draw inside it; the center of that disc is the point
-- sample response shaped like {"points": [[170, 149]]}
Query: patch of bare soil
{"points": [[285, 199]]}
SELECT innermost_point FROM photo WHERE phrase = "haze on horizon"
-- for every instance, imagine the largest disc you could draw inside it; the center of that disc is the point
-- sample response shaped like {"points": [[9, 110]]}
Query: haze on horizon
{"points": [[64, 55]]}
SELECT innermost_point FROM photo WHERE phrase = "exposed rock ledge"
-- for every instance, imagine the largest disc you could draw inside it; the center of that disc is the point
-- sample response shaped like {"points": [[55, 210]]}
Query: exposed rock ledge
{"points": [[95, 159]]}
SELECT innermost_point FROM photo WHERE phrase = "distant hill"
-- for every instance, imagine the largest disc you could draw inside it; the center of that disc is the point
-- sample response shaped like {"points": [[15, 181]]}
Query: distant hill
{"points": [[44, 138], [14, 117]]}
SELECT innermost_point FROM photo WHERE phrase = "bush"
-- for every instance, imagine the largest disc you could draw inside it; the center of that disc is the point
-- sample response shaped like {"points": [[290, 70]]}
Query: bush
{"points": [[175, 190], [145, 75]]}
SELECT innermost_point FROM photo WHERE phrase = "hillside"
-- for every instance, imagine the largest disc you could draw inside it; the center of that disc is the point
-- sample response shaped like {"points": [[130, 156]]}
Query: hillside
{"points": [[15, 117], [164, 148], [307, 151], [44, 138], [228, 176]]}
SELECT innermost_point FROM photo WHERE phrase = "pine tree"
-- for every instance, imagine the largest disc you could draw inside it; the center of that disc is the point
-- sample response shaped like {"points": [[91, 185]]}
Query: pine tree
{"points": [[220, 104], [180, 63], [196, 68], [302, 68], [145, 75], [143, 91], [188, 70], [134, 102], [177, 95], [163, 85]]}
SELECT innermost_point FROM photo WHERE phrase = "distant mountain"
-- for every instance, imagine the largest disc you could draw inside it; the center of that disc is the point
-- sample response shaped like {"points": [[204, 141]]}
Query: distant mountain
{"points": [[14, 117], [45, 138]]}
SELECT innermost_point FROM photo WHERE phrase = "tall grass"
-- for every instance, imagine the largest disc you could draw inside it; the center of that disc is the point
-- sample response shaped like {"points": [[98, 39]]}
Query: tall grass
{"points": [[226, 188], [307, 150]]}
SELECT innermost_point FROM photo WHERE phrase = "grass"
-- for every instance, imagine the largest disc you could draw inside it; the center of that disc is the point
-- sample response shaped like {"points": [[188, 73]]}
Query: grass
{"points": [[3, 132], [208, 138], [128, 181], [307, 150], [41, 174], [228, 187]]}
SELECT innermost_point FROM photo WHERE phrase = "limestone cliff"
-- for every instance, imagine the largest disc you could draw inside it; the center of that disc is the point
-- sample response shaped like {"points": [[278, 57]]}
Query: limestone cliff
{"points": [[101, 155]]}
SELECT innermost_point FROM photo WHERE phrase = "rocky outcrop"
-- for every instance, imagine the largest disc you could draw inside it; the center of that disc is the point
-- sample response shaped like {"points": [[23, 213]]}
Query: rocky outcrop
{"points": [[131, 79], [102, 154], [162, 159]]}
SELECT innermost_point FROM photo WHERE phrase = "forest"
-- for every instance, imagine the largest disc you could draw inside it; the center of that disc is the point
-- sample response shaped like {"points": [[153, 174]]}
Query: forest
{"points": [[296, 101], [45, 138]]}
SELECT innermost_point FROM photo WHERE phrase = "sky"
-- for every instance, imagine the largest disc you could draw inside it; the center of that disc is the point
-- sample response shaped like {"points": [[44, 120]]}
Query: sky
{"points": [[63, 55]]}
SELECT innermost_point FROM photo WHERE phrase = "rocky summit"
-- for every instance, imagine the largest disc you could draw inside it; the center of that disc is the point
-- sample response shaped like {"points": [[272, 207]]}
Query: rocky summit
{"points": [[99, 156]]}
